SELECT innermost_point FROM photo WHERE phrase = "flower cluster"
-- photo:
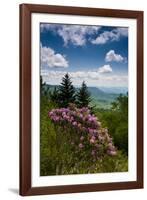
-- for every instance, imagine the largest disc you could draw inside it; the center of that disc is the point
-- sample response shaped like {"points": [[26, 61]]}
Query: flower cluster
{"points": [[86, 133]]}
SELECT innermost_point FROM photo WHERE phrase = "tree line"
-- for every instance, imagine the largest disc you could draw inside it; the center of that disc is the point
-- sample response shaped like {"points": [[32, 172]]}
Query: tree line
{"points": [[114, 118], [66, 93]]}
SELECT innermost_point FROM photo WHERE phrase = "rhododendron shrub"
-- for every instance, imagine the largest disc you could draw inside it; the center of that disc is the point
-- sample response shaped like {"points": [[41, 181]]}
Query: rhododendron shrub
{"points": [[83, 132]]}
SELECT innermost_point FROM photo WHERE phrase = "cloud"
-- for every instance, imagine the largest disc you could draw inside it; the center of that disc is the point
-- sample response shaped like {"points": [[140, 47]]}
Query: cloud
{"points": [[92, 78], [121, 31], [105, 69], [51, 59], [73, 34], [85, 74], [112, 56], [77, 75], [78, 35], [103, 38], [95, 75], [109, 36], [46, 27]]}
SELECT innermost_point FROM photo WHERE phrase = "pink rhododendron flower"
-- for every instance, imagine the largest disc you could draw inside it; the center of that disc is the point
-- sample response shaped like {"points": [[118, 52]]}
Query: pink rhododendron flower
{"points": [[73, 120]]}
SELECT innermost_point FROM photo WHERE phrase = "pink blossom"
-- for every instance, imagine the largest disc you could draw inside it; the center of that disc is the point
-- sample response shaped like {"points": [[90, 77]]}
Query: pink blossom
{"points": [[74, 123], [111, 153], [100, 138], [63, 113], [92, 141], [71, 118], [80, 115], [79, 125], [81, 145], [82, 138], [90, 131], [111, 147], [88, 128]]}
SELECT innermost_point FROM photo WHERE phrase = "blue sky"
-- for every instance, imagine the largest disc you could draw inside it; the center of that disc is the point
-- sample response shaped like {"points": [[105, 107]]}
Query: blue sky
{"points": [[96, 54]]}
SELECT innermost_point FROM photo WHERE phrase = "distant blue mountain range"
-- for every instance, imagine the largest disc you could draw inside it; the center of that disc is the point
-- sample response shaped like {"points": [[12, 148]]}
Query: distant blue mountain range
{"points": [[102, 97], [114, 90]]}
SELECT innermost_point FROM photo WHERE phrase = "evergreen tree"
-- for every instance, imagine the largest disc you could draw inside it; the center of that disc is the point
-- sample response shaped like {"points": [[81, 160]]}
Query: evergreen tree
{"points": [[66, 92], [54, 95], [41, 82], [46, 91], [83, 96], [41, 86]]}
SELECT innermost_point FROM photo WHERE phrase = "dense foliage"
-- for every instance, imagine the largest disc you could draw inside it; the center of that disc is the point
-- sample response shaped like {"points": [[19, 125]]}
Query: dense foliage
{"points": [[75, 139], [116, 119]]}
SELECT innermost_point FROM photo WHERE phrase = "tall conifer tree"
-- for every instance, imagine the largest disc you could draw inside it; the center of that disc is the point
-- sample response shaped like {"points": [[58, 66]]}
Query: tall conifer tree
{"points": [[66, 91], [83, 96]]}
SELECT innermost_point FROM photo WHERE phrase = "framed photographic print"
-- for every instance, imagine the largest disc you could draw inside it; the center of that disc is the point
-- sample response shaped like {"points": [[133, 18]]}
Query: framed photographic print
{"points": [[81, 99]]}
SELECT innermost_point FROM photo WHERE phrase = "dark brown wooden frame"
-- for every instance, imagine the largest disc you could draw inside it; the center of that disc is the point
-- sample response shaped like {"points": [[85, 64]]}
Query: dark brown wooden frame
{"points": [[25, 99]]}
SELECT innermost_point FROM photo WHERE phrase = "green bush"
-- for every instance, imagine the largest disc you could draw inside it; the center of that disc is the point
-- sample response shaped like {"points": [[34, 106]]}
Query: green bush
{"points": [[116, 120], [47, 140], [107, 164], [56, 156]]}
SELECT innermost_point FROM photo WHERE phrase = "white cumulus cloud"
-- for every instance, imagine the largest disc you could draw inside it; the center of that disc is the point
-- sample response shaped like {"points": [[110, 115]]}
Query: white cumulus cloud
{"points": [[74, 34], [51, 59], [112, 56], [109, 36], [105, 69], [78, 35], [122, 31]]}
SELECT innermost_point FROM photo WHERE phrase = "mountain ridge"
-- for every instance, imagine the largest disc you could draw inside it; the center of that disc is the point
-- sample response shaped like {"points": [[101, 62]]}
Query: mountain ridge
{"points": [[99, 97]]}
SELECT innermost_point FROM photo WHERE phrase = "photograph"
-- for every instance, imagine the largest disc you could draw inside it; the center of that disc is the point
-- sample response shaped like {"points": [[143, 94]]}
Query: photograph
{"points": [[83, 99]]}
